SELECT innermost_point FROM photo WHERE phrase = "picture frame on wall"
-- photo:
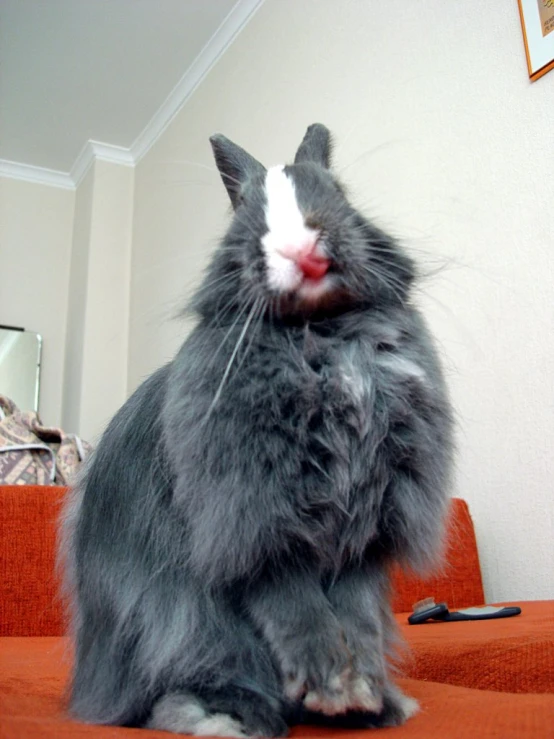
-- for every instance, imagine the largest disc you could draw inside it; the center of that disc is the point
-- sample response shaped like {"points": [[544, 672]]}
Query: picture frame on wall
{"points": [[537, 22]]}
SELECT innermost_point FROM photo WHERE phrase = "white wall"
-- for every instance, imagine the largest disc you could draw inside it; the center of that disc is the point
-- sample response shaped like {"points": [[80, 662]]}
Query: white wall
{"points": [[35, 243], [76, 305], [444, 140], [96, 344]]}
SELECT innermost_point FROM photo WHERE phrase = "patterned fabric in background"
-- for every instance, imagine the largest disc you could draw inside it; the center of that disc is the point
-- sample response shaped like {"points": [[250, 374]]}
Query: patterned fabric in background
{"points": [[33, 454]]}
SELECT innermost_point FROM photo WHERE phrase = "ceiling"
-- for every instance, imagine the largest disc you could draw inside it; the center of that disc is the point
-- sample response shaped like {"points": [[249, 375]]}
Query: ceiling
{"points": [[103, 70]]}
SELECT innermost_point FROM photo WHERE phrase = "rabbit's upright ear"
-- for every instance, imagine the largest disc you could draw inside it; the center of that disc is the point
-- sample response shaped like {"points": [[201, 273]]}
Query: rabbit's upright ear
{"points": [[235, 165], [316, 146]]}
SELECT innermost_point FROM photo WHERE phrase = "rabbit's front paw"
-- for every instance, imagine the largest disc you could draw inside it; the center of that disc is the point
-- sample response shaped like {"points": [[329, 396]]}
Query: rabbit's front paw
{"points": [[330, 686], [347, 692], [319, 677], [366, 693], [330, 698]]}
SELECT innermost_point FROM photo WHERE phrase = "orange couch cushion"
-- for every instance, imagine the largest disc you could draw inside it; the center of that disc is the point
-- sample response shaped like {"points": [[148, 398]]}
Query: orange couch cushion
{"points": [[513, 654], [29, 594], [459, 583], [33, 674]]}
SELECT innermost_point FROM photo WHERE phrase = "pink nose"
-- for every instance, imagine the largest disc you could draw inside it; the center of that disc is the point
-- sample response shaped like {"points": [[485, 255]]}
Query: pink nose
{"points": [[309, 257]]}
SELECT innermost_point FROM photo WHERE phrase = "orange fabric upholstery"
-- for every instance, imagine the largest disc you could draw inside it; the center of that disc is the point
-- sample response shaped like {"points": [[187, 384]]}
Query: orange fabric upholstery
{"points": [[29, 593], [514, 655], [34, 674], [459, 584]]}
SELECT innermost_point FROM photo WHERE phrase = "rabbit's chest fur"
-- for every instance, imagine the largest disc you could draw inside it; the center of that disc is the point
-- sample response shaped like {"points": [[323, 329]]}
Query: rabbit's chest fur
{"points": [[301, 446], [351, 396]]}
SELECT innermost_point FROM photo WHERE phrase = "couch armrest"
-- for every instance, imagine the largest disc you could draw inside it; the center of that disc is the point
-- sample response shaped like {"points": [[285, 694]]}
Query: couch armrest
{"points": [[30, 603], [459, 584]]}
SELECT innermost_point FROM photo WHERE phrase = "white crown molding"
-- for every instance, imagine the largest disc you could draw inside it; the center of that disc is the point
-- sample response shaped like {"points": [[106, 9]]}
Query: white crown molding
{"points": [[39, 175], [236, 20], [96, 150], [91, 152]]}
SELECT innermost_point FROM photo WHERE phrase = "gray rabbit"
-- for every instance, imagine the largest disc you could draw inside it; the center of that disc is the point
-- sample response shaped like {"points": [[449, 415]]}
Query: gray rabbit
{"points": [[228, 546]]}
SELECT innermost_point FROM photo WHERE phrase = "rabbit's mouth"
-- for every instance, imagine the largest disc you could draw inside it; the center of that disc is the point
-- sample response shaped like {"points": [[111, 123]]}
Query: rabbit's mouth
{"points": [[323, 297]]}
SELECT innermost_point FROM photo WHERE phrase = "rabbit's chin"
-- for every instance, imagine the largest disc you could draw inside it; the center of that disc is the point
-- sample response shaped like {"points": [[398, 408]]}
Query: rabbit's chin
{"points": [[323, 298], [313, 292]]}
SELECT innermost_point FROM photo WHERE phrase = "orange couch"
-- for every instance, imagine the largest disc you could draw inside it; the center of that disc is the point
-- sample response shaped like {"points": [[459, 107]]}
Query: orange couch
{"points": [[473, 679]]}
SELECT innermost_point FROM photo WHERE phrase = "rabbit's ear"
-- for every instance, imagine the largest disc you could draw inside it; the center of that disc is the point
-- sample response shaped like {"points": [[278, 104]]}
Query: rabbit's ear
{"points": [[316, 146], [235, 165]]}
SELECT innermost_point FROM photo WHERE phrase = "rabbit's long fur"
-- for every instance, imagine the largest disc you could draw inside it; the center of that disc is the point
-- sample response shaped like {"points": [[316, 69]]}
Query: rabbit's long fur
{"points": [[227, 548]]}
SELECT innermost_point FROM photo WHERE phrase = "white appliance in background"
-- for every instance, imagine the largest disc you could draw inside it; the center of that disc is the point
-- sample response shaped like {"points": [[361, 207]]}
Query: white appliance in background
{"points": [[20, 356]]}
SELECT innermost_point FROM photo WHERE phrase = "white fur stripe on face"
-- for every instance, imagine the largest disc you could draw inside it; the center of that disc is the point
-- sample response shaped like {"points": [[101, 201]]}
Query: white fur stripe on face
{"points": [[288, 236]]}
